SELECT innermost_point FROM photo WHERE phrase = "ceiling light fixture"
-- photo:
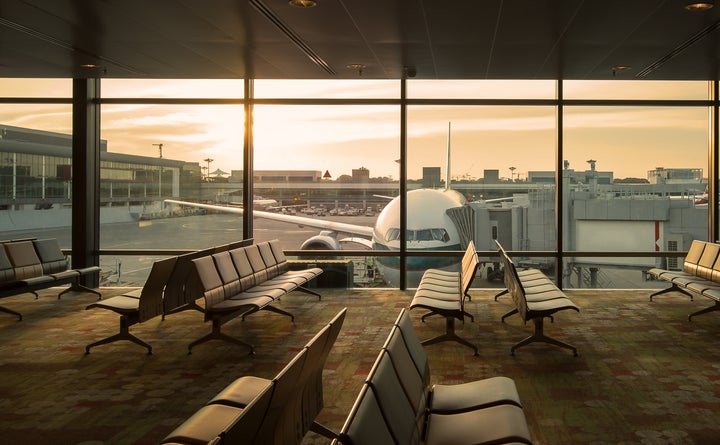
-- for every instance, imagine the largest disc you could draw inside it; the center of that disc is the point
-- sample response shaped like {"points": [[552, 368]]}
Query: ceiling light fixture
{"points": [[359, 67], [620, 68], [699, 6], [303, 3]]}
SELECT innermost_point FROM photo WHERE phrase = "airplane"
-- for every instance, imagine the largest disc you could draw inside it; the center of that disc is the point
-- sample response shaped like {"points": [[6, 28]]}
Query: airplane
{"points": [[426, 230]]}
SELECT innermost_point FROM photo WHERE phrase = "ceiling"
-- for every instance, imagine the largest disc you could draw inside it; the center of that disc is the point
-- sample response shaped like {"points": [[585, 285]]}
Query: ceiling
{"points": [[269, 39]]}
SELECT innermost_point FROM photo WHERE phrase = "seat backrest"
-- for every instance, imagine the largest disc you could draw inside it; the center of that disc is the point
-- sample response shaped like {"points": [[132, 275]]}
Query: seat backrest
{"points": [[183, 286], [24, 259], [707, 260], [257, 263], [396, 408], [470, 264], [51, 256], [210, 281], [151, 295], [245, 428], [413, 386], [365, 424], [319, 348], [413, 345], [228, 274], [514, 287], [280, 258], [283, 420], [243, 267], [7, 273], [693, 256], [268, 258]]}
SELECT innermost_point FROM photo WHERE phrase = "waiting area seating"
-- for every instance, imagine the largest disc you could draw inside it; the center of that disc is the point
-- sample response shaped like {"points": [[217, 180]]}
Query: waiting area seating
{"points": [[138, 305], [263, 411], [444, 292], [29, 265], [396, 404], [243, 281], [546, 299], [700, 275]]}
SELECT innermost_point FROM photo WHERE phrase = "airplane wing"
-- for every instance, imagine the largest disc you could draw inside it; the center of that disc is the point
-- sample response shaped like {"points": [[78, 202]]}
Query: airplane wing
{"points": [[291, 219]]}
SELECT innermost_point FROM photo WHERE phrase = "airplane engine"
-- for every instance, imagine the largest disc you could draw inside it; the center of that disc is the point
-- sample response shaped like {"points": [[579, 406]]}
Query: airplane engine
{"points": [[321, 242]]}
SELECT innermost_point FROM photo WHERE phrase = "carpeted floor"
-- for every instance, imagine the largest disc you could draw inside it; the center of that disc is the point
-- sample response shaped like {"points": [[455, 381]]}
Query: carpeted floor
{"points": [[644, 374]]}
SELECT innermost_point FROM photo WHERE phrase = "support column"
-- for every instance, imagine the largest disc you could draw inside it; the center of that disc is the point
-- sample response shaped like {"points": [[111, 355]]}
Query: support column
{"points": [[86, 177], [248, 161]]}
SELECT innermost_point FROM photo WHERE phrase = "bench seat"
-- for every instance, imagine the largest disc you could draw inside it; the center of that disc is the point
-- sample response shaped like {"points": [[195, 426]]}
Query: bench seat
{"points": [[267, 411], [30, 265], [243, 281], [700, 275], [397, 405], [443, 293], [534, 309]]}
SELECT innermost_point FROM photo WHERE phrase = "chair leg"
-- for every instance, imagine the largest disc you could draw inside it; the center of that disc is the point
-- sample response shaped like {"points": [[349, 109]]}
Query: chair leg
{"points": [[278, 311], [500, 294], [76, 287], [673, 288], [10, 311], [713, 308], [215, 334], [540, 336], [308, 291], [450, 335], [323, 431], [512, 312], [124, 334]]}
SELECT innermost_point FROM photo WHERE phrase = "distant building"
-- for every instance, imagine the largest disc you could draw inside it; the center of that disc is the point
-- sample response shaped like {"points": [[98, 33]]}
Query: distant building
{"points": [[280, 176], [579, 177], [491, 176], [431, 177], [361, 175], [663, 175]]}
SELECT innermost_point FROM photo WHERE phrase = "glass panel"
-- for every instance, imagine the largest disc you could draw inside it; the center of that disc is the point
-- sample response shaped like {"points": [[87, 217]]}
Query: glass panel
{"points": [[326, 170], [322, 89], [126, 270], [616, 272], [634, 89], [641, 182], [158, 152], [35, 171], [502, 179], [481, 89], [10, 87], [164, 88]]}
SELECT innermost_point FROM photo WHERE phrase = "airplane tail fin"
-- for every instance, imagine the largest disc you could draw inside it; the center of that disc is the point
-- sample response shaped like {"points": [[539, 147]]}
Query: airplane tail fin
{"points": [[447, 165]]}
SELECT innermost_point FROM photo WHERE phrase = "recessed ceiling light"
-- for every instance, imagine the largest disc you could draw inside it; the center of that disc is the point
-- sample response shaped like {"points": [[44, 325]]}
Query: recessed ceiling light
{"points": [[359, 67], [88, 65], [622, 68], [699, 6], [303, 3]]}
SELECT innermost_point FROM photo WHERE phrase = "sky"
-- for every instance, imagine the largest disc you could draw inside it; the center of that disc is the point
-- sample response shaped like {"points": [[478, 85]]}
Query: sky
{"points": [[626, 140]]}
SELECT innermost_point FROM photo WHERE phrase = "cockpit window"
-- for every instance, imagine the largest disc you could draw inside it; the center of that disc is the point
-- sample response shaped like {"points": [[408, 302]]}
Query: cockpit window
{"points": [[419, 235]]}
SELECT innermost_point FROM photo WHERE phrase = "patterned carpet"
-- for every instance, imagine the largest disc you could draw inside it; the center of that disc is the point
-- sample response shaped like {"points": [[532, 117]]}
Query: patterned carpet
{"points": [[644, 374]]}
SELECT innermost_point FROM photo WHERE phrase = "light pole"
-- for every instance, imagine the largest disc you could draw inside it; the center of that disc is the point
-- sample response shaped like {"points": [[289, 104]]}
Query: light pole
{"points": [[159, 146], [208, 160]]}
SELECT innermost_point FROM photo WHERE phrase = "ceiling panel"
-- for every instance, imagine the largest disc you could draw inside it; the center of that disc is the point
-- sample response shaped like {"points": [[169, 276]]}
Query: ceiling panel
{"points": [[461, 39]]}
